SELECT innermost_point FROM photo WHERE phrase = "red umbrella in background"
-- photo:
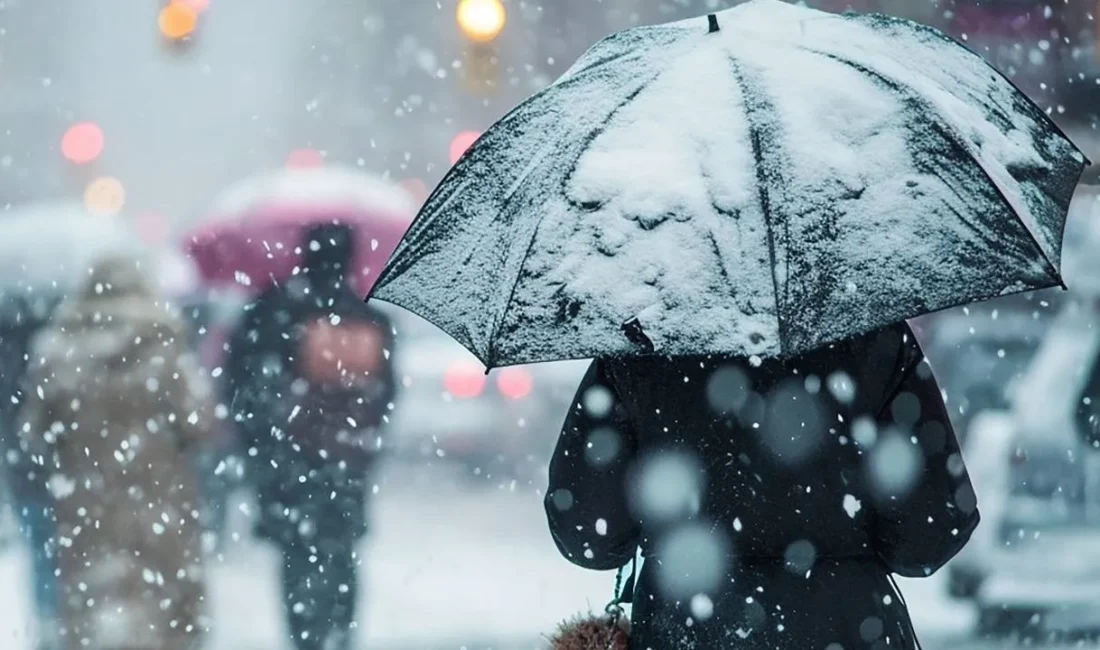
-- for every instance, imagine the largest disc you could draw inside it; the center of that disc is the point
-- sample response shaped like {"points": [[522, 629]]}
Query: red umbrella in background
{"points": [[253, 235]]}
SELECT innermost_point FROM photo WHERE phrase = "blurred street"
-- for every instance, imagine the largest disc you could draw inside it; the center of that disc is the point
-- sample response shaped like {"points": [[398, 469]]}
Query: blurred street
{"points": [[259, 168], [451, 559]]}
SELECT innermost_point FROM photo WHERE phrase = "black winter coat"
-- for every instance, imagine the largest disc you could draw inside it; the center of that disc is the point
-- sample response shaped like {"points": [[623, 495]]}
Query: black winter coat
{"points": [[770, 501], [293, 428], [21, 318]]}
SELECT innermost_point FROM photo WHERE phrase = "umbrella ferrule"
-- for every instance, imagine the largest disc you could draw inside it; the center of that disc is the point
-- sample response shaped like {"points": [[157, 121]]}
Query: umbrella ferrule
{"points": [[712, 23]]}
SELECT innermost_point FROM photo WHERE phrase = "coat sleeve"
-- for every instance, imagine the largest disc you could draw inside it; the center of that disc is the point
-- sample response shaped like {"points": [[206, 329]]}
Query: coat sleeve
{"points": [[920, 529], [586, 503], [249, 389], [387, 379], [193, 397], [36, 427]]}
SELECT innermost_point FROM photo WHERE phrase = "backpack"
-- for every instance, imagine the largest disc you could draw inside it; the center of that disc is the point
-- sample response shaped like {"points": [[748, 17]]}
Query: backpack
{"points": [[340, 367]]}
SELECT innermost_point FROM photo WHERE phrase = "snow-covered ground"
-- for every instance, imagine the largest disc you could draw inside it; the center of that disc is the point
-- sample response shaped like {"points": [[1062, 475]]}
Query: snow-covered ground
{"points": [[449, 564]]}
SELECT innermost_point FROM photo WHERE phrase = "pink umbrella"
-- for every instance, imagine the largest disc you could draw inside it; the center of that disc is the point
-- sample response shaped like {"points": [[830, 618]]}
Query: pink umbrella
{"points": [[253, 236]]}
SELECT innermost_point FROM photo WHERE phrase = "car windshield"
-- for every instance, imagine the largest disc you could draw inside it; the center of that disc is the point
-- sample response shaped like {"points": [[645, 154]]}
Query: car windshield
{"points": [[413, 328], [982, 373], [994, 362]]}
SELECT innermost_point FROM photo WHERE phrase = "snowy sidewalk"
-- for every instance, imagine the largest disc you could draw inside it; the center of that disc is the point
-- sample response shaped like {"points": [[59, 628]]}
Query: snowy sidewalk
{"points": [[440, 567], [447, 566]]}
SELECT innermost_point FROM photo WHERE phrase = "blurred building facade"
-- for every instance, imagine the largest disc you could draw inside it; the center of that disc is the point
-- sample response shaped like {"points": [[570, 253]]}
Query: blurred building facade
{"points": [[384, 85]]}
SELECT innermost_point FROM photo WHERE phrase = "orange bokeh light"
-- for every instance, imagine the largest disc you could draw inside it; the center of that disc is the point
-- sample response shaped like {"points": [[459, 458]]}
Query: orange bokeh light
{"points": [[177, 20], [461, 143], [305, 159], [104, 196], [481, 20], [82, 143]]}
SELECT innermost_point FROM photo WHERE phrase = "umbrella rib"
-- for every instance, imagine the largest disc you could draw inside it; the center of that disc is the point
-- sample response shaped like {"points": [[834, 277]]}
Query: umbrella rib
{"points": [[419, 224], [565, 83], [596, 65], [411, 243], [757, 108], [1037, 112], [581, 149], [913, 97], [655, 30], [507, 199]]}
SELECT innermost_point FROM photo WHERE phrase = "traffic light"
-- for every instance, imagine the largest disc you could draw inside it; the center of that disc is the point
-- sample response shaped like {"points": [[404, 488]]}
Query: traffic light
{"points": [[481, 21], [178, 19]]}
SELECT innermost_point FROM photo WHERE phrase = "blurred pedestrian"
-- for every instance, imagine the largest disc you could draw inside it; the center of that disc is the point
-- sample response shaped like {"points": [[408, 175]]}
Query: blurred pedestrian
{"points": [[115, 415], [772, 500], [218, 463], [22, 315], [311, 380]]}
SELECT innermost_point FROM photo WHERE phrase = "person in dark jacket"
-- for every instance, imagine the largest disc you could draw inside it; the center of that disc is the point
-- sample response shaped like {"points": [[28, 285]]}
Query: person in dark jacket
{"points": [[771, 500], [311, 380], [22, 316]]}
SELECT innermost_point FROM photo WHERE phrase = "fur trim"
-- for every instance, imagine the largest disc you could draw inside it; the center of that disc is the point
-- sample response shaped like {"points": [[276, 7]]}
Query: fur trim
{"points": [[591, 632]]}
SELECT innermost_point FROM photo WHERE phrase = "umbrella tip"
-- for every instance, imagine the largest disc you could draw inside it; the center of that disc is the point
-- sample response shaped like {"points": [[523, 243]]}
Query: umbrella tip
{"points": [[712, 23]]}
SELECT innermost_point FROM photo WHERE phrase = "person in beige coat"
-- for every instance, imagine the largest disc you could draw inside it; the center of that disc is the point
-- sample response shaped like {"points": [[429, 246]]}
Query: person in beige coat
{"points": [[116, 411]]}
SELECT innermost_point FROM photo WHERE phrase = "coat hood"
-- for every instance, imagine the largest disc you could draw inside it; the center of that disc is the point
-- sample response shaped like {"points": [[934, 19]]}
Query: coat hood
{"points": [[114, 319], [329, 250]]}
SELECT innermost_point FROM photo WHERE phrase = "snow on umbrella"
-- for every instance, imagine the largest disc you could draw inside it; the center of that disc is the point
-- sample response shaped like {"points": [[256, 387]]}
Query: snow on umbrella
{"points": [[254, 233], [763, 181], [51, 246]]}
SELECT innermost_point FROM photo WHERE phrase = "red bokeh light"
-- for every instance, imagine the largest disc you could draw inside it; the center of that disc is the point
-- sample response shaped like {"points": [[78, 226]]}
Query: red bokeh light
{"points": [[464, 380], [461, 143], [305, 159], [515, 383], [82, 143], [198, 6]]}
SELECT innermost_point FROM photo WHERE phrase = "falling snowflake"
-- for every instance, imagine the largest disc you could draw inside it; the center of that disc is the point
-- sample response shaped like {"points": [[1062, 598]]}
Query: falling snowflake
{"points": [[852, 505]]}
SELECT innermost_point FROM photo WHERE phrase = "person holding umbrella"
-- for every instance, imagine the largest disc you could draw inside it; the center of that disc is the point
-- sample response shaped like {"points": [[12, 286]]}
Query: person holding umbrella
{"points": [[46, 251], [117, 412], [735, 215], [309, 371], [759, 493], [21, 318], [311, 380]]}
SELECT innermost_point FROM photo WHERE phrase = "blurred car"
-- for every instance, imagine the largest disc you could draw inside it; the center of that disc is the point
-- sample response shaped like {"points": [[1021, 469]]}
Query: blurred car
{"points": [[503, 424], [979, 355], [1033, 566]]}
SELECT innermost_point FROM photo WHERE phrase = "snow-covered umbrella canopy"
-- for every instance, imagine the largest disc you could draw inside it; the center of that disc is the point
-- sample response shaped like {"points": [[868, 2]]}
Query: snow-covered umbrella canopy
{"points": [[331, 188], [49, 247], [253, 235], [757, 182]]}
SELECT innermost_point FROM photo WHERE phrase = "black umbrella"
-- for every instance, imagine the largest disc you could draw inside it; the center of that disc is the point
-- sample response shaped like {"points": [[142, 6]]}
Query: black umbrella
{"points": [[761, 181]]}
